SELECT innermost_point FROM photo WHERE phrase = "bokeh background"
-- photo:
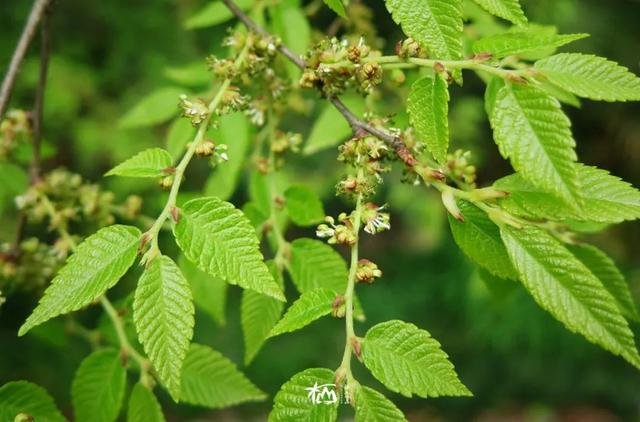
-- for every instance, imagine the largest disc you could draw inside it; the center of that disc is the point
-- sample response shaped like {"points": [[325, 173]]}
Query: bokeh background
{"points": [[520, 363]]}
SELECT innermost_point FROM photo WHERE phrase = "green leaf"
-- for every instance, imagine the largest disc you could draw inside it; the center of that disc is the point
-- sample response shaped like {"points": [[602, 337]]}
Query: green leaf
{"points": [[506, 9], [337, 6], [155, 108], [148, 163], [428, 107], [234, 131], [480, 239], [214, 13], [372, 406], [562, 285], [220, 240], [407, 360], [259, 314], [143, 406], [179, 134], [291, 24], [516, 43], [194, 74], [591, 77], [436, 24], [533, 132], [18, 397], [292, 403], [163, 316], [303, 205], [609, 275], [607, 199], [211, 380], [330, 127], [209, 293], [94, 268], [309, 307], [98, 387]]}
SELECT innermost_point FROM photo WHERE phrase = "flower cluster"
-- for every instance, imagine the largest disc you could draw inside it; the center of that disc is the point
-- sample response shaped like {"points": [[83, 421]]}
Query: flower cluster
{"points": [[374, 219], [335, 66], [72, 200], [217, 153], [194, 110], [368, 154], [31, 266], [460, 169], [367, 271], [342, 233], [14, 129], [286, 141]]}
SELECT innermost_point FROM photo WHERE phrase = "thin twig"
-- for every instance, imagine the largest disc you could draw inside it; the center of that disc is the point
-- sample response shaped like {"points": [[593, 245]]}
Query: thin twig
{"points": [[37, 11], [358, 126]]}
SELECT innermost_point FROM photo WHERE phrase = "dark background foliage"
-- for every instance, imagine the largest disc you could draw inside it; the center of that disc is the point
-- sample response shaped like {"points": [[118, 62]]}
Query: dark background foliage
{"points": [[519, 362]]}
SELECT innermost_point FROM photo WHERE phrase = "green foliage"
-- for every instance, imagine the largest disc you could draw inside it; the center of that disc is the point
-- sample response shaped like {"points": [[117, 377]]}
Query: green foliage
{"points": [[163, 315], [180, 132], [209, 293], [143, 406], [148, 163], [428, 107], [521, 42], [96, 266], [329, 128], [292, 401], [98, 387], [157, 107], [337, 6], [259, 314], [220, 241], [22, 397], [310, 306], [591, 77], [315, 265], [409, 361], [303, 206], [565, 287], [506, 9], [13, 181], [214, 13], [533, 132], [372, 406], [211, 380], [480, 239]]}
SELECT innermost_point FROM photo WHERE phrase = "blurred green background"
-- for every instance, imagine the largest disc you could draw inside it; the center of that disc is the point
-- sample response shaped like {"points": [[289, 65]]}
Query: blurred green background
{"points": [[520, 363]]}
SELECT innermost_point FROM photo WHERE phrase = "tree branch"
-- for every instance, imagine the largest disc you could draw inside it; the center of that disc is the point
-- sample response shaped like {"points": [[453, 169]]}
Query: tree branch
{"points": [[358, 126], [37, 11]]}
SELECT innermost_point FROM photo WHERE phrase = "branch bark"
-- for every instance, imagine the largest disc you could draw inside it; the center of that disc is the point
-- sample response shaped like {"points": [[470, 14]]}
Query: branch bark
{"points": [[37, 12]]}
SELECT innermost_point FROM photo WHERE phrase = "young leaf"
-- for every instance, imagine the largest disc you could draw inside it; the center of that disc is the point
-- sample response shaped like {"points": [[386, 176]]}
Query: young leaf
{"points": [[143, 406], [562, 285], [607, 199], [533, 132], [303, 205], [591, 77], [148, 163], [259, 314], [163, 316], [94, 268], [98, 387], [235, 131], [310, 306], [407, 360], [214, 13], [220, 240], [211, 380], [209, 293], [193, 74], [436, 24], [13, 182], [609, 275], [480, 239], [337, 6], [179, 134], [372, 406], [428, 107], [18, 397], [330, 128], [155, 108], [292, 403], [516, 43], [506, 9]]}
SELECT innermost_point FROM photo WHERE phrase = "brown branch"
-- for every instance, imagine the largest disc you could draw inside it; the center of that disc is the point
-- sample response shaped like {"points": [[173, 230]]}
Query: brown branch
{"points": [[37, 11], [358, 125]]}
